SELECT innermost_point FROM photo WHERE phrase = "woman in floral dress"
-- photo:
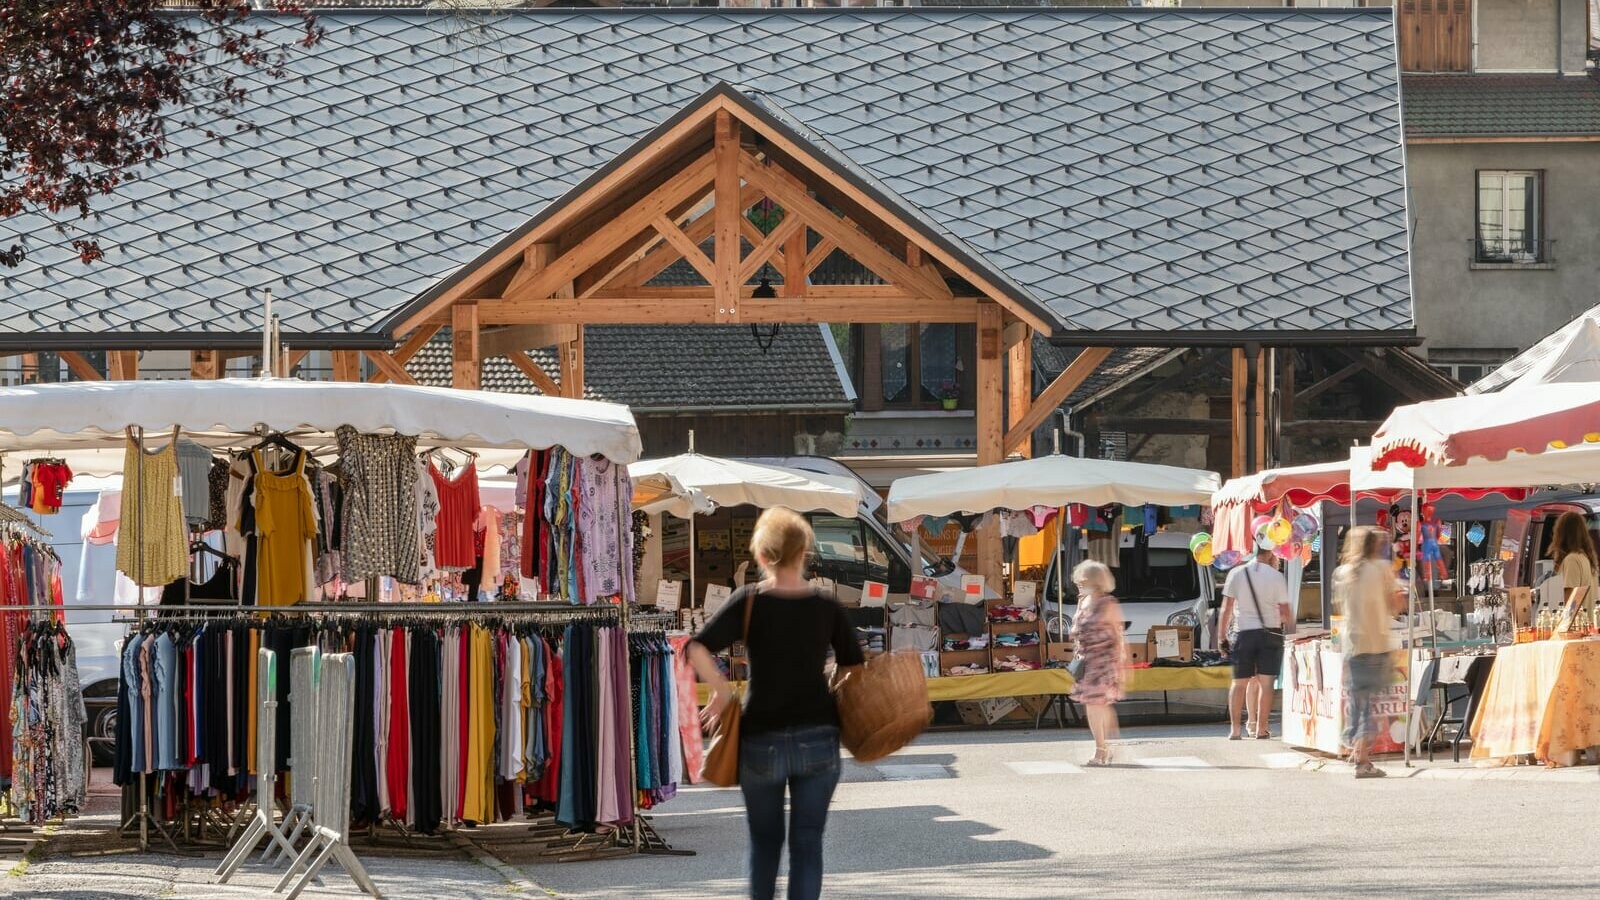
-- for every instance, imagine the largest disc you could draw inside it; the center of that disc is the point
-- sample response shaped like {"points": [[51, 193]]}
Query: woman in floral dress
{"points": [[1097, 634]]}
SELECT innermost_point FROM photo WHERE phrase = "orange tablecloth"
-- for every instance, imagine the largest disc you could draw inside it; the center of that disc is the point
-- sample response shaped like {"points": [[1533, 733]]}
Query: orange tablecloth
{"points": [[1542, 698]]}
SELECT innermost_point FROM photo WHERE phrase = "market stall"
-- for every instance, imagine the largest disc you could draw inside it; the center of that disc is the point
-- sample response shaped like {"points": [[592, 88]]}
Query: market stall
{"points": [[331, 492], [991, 641]]}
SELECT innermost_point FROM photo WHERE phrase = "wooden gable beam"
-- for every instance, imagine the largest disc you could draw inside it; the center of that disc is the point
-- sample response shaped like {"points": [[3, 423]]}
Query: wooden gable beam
{"points": [[1054, 394], [658, 257], [413, 344], [686, 248], [767, 248], [540, 378], [726, 213], [389, 367]]}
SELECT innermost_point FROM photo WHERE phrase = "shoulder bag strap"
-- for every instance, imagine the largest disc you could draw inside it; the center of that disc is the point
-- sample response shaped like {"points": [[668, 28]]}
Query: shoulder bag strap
{"points": [[1255, 601], [744, 636]]}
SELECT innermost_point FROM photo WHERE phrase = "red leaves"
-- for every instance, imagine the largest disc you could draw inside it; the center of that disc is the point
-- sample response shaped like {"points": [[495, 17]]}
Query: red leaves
{"points": [[92, 88]]}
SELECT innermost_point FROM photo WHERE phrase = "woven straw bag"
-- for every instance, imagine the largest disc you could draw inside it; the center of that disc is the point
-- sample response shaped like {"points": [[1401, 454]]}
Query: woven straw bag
{"points": [[883, 705]]}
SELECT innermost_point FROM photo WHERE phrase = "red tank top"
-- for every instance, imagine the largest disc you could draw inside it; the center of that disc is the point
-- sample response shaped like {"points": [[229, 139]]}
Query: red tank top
{"points": [[458, 507]]}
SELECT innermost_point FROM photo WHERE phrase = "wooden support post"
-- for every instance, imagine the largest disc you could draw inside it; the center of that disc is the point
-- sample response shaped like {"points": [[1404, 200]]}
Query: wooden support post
{"points": [[1239, 383], [796, 276], [1019, 387], [1263, 378], [204, 364], [727, 214], [991, 410], [80, 367], [571, 356], [465, 372], [346, 365], [124, 365], [1285, 406]]}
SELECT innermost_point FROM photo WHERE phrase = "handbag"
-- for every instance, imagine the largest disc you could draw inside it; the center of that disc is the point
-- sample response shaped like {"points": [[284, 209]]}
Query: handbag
{"points": [[721, 765], [1076, 667]]}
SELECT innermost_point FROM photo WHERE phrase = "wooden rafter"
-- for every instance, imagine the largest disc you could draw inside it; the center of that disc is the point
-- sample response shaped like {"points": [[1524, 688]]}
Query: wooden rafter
{"points": [[80, 366], [686, 248], [819, 254], [389, 367], [836, 308], [540, 378], [1055, 393], [661, 255], [768, 246]]}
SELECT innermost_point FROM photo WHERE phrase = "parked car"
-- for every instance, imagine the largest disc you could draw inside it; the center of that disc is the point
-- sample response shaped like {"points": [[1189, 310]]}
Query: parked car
{"points": [[1158, 583]]}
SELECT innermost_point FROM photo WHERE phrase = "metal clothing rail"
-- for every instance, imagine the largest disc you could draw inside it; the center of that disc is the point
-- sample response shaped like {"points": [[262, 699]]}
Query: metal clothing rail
{"points": [[403, 608]]}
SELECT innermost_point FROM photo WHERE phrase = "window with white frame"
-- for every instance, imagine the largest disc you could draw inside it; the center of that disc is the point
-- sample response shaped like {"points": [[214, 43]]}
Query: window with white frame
{"points": [[1509, 216]]}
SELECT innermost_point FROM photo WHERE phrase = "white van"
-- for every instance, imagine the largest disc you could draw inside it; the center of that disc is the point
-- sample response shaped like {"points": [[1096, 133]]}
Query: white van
{"points": [[1158, 583]]}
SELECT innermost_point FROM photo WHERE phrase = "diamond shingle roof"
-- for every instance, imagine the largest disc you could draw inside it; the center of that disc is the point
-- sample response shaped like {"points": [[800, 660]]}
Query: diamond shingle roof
{"points": [[1162, 172], [1502, 105], [675, 368]]}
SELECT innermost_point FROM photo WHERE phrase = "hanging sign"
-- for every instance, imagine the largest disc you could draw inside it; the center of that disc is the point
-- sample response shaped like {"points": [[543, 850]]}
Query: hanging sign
{"points": [[669, 595], [874, 593], [716, 596], [924, 588], [972, 588], [1026, 593]]}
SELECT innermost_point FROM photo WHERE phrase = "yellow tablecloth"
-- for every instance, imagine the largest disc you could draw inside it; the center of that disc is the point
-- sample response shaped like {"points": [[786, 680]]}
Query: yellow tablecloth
{"points": [[1542, 698], [1057, 681]]}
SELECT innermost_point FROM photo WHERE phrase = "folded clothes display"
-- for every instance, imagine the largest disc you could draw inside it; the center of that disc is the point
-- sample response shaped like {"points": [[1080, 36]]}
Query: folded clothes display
{"points": [[914, 637], [961, 618], [976, 642], [1012, 614], [967, 670], [1015, 664], [1025, 639], [872, 639], [917, 612]]}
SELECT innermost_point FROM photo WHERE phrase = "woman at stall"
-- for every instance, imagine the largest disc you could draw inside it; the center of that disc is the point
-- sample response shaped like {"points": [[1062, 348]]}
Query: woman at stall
{"points": [[1368, 595], [789, 728], [1097, 635], [1573, 552]]}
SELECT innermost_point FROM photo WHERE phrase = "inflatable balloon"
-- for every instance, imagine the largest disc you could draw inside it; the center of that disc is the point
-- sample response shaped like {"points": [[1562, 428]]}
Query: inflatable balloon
{"points": [[1285, 551], [1203, 554], [1303, 526], [1476, 534], [1279, 530], [1227, 559], [1259, 524], [1197, 540], [1305, 555]]}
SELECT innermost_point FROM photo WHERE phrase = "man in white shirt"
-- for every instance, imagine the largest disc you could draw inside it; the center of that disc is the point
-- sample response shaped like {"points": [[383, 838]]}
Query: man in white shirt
{"points": [[1259, 596]]}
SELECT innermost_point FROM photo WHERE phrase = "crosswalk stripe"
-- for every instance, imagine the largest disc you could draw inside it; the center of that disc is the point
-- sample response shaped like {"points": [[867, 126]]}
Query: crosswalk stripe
{"points": [[1172, 762], [1044, 767], [1285, 760], [914, 772]]}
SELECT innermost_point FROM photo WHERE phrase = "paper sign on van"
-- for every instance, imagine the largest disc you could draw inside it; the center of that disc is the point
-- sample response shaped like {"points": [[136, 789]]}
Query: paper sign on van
{"points": [[716, 597], [1026, 593], [972, 588], [874, 593], [924, 588]]}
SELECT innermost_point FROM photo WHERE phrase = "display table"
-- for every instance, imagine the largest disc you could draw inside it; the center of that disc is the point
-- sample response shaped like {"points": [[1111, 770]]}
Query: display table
{"points": [[1542, 698], [1058, 682], [1179, 678]]}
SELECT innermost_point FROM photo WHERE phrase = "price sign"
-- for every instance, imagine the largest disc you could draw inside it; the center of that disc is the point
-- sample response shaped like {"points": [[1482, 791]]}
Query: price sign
{"points": [[669, 595], [874, 593]]}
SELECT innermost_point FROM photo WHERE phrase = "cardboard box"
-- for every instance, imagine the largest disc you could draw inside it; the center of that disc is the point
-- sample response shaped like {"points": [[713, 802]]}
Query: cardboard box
{"points": [[1136, 653], [1061, 650], [986, 712], [1178, 638]]}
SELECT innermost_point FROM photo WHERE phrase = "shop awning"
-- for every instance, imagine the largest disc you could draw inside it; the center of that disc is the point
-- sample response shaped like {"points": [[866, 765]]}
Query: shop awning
{"points": [[84, 415], [727, 482], [1522, 421], [1049, 481]]}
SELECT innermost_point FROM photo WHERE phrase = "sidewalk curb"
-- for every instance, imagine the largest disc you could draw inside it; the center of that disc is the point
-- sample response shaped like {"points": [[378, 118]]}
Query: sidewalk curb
{"points": [[1396, 769], [513, 876]]}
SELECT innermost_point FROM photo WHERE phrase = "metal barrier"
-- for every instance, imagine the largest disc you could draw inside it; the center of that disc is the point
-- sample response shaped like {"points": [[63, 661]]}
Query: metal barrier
{"points": [[261, 824], [330, 823], [305, 675]]}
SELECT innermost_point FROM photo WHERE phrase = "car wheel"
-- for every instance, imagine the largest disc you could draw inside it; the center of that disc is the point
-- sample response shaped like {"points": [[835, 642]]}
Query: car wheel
{"points": [[103, 736]]}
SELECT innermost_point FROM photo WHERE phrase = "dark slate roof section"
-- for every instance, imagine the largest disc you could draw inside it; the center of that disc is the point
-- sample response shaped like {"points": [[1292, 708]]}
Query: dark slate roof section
{"points": [[675, 368], [1501, 106], [1124, 363], [1154, 173]]}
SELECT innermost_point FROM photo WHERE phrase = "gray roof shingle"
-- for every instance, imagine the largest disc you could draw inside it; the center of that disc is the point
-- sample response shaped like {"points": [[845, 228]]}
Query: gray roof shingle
{"points": [[676, 368], [1501, 105], [1159, 172]]}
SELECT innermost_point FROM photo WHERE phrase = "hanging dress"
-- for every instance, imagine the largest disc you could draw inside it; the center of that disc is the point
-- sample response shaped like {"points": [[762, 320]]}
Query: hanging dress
{"points": [[458, 509], [152, 546], [288, 526], [379, 530]]}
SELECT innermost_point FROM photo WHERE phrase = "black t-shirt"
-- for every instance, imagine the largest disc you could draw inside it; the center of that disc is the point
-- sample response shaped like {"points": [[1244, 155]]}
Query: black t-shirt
{"points": [[790, 635]]}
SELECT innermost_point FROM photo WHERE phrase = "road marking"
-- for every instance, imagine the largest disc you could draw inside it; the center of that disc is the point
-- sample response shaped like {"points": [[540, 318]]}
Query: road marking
{"points": [[914, 772], [1045, 767], [1285, 760], [1172, 763]]}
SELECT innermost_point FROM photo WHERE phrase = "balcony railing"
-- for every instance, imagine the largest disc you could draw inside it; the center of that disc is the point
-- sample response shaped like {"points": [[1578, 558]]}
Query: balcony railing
{"points": [[1515, 252]]}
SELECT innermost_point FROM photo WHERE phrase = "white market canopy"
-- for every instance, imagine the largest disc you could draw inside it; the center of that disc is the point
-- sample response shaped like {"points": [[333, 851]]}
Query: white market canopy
{"points": [[1525, 420], [1570, 353], [728, 482], [89, 415], [1049, 481]]}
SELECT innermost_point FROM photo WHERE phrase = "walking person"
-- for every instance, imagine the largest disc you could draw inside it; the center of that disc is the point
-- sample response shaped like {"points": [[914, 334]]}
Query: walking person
{"points": [[1258, 650], [789, 728], [1369, 596], [1573, 552], [1098, 639]]}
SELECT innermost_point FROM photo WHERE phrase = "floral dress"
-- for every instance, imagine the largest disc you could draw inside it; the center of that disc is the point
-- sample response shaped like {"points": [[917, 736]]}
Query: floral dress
{"points": [[1099, 642]]}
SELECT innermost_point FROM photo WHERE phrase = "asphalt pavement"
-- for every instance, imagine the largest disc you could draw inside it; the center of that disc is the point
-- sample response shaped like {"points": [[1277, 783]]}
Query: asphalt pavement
{"points": [[1013, 814]]}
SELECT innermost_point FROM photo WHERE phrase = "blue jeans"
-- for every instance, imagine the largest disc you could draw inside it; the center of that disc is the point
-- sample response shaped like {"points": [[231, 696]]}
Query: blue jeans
{"points": [[1366, 675], [806, 761]]}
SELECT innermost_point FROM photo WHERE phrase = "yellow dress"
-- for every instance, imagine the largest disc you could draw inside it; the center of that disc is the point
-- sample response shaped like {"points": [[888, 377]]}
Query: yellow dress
{"points": [[152, 544], [480, 729], [287, 525]]}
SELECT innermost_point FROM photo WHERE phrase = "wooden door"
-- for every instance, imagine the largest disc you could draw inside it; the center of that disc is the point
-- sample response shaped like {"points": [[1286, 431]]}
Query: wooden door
{"points": [[1435, 35]]}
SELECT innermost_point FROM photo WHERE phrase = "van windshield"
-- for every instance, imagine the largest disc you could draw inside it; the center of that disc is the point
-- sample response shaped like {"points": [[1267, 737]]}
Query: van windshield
{"points": [[1152, 574]]}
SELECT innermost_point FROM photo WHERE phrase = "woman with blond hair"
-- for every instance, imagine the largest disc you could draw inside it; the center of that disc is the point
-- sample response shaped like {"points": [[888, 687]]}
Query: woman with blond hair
{"points": [[1366, 592], [1097, 637], [789, 729]]}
